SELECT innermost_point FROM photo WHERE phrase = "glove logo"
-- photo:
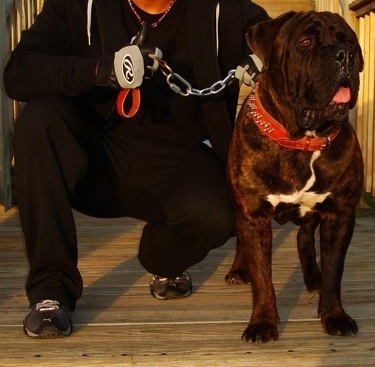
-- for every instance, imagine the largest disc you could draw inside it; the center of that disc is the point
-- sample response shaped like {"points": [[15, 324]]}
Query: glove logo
{"points": [[128, 69]]}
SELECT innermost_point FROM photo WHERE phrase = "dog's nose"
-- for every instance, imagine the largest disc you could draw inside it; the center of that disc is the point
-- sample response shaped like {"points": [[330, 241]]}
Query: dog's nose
{"points": [[344, 56]]}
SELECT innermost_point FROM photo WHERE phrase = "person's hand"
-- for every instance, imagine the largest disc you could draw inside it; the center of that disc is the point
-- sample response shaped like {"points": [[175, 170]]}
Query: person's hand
{"points": [[248, 71], [133, 63], [127, 68]]}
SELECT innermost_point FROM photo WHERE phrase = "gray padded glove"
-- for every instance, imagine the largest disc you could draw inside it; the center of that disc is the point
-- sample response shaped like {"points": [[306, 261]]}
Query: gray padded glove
{"points": [[127, 68], [133, 63]]}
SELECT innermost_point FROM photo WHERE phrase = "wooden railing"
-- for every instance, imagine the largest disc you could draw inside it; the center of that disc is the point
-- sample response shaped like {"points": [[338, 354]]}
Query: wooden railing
{"points": [[365, 12], [15, 16], [5, 113], [21, 15]]}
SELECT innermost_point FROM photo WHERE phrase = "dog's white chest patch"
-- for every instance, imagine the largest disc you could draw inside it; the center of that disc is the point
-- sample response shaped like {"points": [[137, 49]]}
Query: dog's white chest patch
{"points": [[306, 199]]}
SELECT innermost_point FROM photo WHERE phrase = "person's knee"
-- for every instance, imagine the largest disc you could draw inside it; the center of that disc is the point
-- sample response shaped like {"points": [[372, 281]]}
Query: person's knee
{"points": [[212, 222], [44, 141], [37, 117], [219, 224]]}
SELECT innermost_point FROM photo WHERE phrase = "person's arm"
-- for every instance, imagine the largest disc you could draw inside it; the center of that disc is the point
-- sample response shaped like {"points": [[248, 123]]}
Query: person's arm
{"points": [[43, 63], [255, 13], [249, 68]]}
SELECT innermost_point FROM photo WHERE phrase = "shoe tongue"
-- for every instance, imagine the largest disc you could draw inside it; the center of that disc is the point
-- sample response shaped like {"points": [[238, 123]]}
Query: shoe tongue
{"points": [[342, 95]]}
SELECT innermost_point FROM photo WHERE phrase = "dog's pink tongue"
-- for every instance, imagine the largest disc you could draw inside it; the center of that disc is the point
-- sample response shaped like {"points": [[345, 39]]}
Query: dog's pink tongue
{"points": [[342, 95]]}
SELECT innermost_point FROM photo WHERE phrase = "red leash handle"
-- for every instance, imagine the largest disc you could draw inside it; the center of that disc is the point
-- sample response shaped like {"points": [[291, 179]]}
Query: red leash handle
{"points": [[128, 102]]}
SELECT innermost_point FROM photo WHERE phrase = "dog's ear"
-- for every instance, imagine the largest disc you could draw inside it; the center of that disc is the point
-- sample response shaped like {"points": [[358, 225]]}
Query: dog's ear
{"points": [[261, 36]]}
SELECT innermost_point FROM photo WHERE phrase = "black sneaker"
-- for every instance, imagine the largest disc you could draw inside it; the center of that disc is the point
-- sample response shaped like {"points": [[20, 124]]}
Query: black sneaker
{"points": [[165, 288], [48, 319]]}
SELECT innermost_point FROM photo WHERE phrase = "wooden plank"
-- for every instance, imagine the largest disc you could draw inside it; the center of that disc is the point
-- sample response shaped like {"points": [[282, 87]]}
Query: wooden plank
{"points": [[15, 15], [329, 5], [276, 7], [360, 128], [5, 118], [118, 323], [362, 7], [371, 95], [214, 344], [368, 125]]}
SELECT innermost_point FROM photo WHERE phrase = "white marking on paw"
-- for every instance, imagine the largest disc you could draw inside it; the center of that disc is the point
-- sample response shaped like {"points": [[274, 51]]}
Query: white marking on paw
{"points": [[306, 199]]}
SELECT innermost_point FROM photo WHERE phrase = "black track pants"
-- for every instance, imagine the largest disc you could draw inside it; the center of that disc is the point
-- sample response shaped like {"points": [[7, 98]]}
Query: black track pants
{"points": [[65, 157]]}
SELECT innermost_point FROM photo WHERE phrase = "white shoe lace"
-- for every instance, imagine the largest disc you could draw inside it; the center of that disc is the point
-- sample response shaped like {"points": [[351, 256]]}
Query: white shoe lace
{"points": [[47, 305]]}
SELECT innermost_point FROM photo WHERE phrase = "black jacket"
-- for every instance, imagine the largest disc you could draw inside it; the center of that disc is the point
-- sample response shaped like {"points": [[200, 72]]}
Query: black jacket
{"points": [[54, 56]]}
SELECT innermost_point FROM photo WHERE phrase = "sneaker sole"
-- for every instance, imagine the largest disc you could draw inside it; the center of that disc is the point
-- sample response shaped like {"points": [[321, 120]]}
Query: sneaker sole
{"points": [[171, 295], [48, 333]]}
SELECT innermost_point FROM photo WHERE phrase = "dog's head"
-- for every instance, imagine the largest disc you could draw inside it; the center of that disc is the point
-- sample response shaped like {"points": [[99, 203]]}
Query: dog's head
{"points": [[312, 62]]}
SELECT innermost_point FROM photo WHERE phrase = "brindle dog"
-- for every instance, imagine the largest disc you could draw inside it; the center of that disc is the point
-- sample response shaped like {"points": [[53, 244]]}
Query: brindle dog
{"points": [[295, 157]]}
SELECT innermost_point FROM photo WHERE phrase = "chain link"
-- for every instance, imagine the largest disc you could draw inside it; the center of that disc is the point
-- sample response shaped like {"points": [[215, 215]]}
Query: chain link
{"points": [[185, 89]]}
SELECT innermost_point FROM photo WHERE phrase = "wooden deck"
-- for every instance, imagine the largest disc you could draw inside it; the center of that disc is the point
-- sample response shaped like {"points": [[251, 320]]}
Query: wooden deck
{"points": [[118, 323]]}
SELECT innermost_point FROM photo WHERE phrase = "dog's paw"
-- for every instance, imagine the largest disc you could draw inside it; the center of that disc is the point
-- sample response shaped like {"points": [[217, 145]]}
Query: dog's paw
{"points": [[260, 333], [339, 325], [312, 281], [237, 276]]}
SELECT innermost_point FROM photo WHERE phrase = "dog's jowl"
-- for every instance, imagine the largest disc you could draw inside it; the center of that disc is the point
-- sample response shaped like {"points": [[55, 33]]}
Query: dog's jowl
{"points": [[294, 156]]}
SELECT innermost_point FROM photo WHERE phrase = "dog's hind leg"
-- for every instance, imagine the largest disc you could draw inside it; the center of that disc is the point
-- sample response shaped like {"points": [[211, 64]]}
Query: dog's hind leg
{"points": [[239, 272], [307, 252]]}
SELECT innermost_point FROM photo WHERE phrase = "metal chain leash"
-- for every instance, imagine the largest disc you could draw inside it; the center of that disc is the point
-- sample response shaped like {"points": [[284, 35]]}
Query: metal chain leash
{"points": [[186, 89]]}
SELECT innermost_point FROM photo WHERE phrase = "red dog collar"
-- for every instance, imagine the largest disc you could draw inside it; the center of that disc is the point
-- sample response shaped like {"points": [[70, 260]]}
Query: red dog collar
{"points": [[274, 130]]}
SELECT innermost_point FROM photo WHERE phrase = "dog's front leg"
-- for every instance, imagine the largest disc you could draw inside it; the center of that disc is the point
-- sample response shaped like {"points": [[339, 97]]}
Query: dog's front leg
{"points": [[255, 239], [335, 236]]}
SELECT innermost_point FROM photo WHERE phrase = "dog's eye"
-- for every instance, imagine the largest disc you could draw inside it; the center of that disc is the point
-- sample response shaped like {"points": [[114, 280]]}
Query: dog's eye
{"points": [[349, 43], [305, 42]]}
